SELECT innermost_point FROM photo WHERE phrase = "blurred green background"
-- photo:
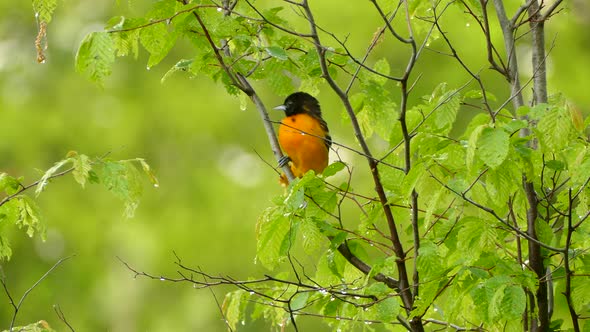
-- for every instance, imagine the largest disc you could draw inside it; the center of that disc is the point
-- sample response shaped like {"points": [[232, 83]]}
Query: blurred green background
{"points": [[213, 186]]}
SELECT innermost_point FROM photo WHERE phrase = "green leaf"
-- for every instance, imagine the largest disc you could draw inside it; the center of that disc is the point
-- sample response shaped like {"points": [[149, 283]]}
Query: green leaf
{"points": [[581, 167], [96, 56], [44, 11], [580, 293], [379, 111], [321, 204], [475, 236], [82, 167], [336, 263], [272, 15], [5, 251], [513, 303], [330, 268], [544, 231], [411, 179], [296, 194], [385, 310], [358, 250], [279, 79], [312, 236], [478, 94], [365, 123], [385, 266], [123, 180], [577, 118], [492, 146], [337, 240], [277, 52], [48, 174], [381, 66], [333, 168], [487, 297], [555, 129], [523, 110], [447, 107], [40, 326], [182, 65], [500, 184], [332, 308], [472, 145], [9, 184], [515, 125], [157, 41], [272, 230], [535, 112], [299, 301], [495, 303], [163, 9], [29, 216], [125, 42], [430, 263], [234, 307], [310, 85]]}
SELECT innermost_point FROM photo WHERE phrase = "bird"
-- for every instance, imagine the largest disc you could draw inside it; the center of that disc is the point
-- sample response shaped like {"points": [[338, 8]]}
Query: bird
{"points": [[303, 136]]}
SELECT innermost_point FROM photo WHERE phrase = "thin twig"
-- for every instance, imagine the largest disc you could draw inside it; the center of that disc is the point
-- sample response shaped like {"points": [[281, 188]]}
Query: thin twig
{"points": [[60, 314], [28, 291]]}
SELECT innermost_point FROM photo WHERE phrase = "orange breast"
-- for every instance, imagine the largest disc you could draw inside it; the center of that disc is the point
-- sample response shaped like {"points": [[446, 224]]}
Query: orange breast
{"points": [[300, 137]]}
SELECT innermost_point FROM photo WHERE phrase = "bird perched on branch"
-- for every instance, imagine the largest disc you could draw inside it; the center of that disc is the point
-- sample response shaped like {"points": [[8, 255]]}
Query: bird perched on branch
{"points": [[303, 135]]}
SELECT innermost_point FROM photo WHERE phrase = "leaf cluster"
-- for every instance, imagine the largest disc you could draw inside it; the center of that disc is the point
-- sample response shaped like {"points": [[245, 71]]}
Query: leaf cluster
{"points": [[17, 208]]}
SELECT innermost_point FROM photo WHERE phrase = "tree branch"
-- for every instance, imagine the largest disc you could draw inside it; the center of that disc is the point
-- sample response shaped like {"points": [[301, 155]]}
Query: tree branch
{"points": [[28, 291], [397, 245]]}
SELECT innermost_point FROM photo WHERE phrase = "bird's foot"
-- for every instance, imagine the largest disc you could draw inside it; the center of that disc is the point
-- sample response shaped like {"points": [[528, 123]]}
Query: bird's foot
{"points": [[284, 161]]}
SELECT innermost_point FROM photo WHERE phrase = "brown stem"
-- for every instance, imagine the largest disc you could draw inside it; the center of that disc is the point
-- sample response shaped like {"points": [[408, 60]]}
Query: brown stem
{"points": [[566, 265], [405, 293], [536, 259]]}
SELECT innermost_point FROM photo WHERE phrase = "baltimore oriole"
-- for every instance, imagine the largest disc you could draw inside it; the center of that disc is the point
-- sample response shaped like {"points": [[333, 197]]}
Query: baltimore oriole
{"points": [[303, 135]]}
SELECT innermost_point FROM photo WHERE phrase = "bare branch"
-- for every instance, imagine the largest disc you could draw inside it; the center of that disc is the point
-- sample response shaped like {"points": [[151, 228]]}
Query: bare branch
{"points": [[28, 291], [163, 20], [60, 314], [566, 264], [512, 73], [550, 11], [496, 216]]}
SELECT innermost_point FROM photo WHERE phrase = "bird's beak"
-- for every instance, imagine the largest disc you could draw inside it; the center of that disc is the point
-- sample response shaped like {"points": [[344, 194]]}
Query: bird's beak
{"points": [[280, 108]]}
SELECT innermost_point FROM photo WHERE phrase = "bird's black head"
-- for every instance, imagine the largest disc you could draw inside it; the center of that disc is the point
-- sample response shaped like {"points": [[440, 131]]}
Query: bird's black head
{"points": [[300, 102]]}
